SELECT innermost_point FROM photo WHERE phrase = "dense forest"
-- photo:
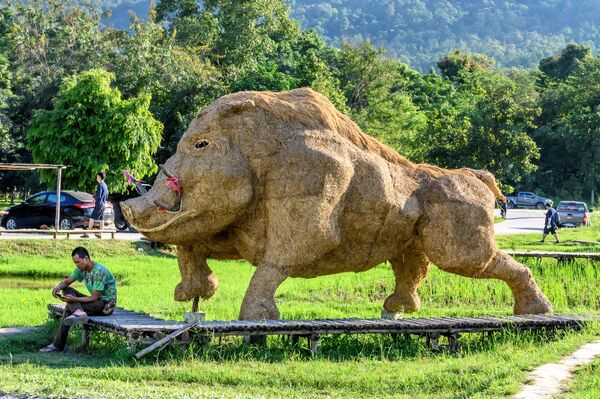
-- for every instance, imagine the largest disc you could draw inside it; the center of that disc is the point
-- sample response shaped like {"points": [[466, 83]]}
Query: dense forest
{"points": [[418, 32], [513, 32], [75, 91]]}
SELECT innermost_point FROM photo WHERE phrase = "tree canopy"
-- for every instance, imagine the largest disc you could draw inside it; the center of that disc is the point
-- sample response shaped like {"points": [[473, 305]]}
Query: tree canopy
{"points": [[535, 128], [92, 129]]}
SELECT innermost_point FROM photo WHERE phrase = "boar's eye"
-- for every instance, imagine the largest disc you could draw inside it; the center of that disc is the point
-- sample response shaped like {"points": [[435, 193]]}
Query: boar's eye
{"points": [[201, 144]]}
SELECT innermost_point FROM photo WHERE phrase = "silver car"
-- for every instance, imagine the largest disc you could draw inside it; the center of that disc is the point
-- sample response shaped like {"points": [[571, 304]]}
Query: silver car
{"points": [[573, 213]]}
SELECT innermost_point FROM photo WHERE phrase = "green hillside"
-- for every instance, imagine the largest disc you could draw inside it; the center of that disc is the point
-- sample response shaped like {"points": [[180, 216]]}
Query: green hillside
{"points": [[514, 32]]}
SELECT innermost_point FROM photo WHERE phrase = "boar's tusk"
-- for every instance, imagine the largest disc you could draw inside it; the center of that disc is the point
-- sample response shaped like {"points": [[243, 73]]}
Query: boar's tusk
{"points": [[171, 208], [165, 171]]}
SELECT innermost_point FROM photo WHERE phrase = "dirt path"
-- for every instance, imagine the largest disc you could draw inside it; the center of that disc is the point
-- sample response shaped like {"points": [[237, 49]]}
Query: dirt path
{"points": [[549, 379], [4, 332]]}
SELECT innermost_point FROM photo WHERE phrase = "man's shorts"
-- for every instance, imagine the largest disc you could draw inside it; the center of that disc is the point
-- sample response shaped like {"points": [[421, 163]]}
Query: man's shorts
{"points": [[98, 212], [549, 230]]}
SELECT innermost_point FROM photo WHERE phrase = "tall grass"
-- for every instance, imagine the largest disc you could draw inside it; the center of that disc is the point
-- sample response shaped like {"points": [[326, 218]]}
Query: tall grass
{"points": [[146, 281]]}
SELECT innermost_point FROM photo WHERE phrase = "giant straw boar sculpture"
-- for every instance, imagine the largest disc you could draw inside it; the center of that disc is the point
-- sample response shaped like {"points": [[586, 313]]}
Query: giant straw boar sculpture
{"points": [[293, 186]]}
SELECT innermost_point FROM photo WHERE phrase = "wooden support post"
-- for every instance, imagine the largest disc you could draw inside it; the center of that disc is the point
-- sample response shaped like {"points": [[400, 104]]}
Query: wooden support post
{"points": [[452, 341], [295, 339], [433, 340], [195, 304], [57, 215], [112, 235], [85, 337], [166, 340], [314, 343], [133, 339]]}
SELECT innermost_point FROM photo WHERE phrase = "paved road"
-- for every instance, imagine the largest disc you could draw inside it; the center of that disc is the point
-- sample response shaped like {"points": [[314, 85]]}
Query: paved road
{"points": [[521, 221], [119, 236]]}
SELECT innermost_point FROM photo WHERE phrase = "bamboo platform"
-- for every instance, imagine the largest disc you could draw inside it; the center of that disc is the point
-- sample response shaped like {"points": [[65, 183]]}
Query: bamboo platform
{"points": [[560, 256], [138, 328], [141, 328]]}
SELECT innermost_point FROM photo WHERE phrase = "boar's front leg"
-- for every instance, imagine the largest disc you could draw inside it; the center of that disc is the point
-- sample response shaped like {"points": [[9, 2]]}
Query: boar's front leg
{"points": [[197, 280], [259, 301]]}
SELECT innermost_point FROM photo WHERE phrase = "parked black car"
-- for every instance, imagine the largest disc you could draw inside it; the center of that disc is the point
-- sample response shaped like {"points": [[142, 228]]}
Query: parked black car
{"points": [[40, 209]]}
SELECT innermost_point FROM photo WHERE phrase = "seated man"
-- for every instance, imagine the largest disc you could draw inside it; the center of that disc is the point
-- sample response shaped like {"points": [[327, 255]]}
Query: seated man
{"points": [[101, 301]]}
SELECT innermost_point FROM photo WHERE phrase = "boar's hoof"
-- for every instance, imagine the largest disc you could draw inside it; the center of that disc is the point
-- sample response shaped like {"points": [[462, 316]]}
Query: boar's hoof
{"points": [[188, 290], [402, 303]]}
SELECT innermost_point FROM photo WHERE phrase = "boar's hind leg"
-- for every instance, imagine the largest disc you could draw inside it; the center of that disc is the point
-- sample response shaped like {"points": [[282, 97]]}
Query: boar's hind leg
{"points": [[528, 297], [459, 238], [409, 269], [259, 302], [197, 280]]}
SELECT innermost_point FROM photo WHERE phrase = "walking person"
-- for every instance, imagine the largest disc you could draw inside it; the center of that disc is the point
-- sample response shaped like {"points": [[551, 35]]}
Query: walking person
{"points": [[102, 299], [503, 207], [100, 198], [550, 223]]}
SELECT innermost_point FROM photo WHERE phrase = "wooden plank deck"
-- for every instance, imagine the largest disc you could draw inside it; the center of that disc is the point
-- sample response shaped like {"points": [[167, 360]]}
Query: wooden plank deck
{"points": [[124, 321], [561, 256], [416, 325], [141, 328]]}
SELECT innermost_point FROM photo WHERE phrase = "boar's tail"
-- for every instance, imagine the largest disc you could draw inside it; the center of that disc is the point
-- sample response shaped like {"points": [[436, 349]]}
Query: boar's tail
{"points": [[488, 179]]}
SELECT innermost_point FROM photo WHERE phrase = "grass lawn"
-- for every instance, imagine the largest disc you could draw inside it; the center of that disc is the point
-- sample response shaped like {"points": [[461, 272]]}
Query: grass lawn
{"points": [[346, 366], [586, 384]]}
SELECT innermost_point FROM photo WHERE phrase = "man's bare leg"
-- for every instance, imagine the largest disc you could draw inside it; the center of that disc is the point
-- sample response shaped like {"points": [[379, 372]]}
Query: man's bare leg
{"points": [[90, 227], [101, 227]]}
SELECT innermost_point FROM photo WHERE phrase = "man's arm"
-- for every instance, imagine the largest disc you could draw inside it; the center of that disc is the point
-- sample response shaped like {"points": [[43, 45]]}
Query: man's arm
{"points": [[98, 193], [84, 299], [63, 284]]}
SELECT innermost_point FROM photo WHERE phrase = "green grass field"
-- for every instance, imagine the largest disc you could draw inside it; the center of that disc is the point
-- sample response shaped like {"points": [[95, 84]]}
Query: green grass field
{"points": [[346, 366], [586, 384]]}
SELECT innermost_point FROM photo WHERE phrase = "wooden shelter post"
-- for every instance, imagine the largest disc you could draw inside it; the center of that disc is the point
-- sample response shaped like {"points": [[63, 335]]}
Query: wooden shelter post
{"points": [[58, 183]]}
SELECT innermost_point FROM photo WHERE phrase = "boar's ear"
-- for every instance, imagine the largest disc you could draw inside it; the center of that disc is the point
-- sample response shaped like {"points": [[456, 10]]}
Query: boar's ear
{"points": [[237, 106]]}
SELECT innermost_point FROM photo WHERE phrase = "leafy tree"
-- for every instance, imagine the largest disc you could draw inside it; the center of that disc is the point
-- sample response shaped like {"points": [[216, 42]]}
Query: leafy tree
{"points": [[250, 32], [192, 26], [561, 66], [45, 41], [453, 65], [180, 80], [482, 121], [571, 140], [254, 44], [93, 129], [378, 93]]}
